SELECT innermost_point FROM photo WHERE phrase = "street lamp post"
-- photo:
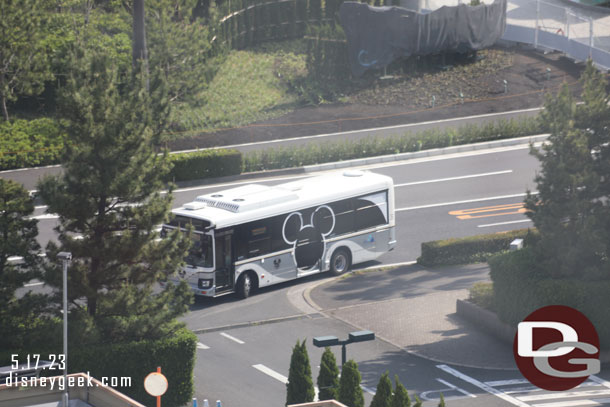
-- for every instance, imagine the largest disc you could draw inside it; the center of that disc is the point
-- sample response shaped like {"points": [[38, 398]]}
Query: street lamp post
{"points": [[359, 336], [65, 257]]}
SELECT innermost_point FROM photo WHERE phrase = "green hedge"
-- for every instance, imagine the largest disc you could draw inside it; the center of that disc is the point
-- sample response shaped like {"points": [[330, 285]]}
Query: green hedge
{"points": [[370, 147], [175, 355], [205, 164], [30, 143], [520, 288], [471, 249]]}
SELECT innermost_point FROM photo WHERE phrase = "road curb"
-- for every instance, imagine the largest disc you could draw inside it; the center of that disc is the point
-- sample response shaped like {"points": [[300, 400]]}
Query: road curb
{"points": [[426, 153], [368, 161], [252, 323]]}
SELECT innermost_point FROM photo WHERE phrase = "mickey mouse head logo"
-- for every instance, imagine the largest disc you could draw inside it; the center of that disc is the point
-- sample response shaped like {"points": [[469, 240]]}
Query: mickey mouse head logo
{"points": [[308, 240]]}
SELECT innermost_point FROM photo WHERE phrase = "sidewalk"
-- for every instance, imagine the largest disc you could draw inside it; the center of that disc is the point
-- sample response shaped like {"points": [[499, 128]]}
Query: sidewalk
{"points": [[414, 309]]}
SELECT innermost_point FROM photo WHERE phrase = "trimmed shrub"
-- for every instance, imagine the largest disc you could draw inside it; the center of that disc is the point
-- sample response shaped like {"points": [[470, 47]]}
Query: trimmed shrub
{"points": [[482, 294], [471, 249], [370, 147], [205, 164], [30, 143], [175, 355], [520, 287]]}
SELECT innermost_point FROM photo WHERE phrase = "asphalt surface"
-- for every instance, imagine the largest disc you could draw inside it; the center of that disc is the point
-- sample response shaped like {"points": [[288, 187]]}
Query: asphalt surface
{"points": [[418, 337], [430, 193]]}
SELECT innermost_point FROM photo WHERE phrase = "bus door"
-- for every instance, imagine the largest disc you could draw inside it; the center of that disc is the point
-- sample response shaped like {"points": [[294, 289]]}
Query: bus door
{"points": [[224, 260]]}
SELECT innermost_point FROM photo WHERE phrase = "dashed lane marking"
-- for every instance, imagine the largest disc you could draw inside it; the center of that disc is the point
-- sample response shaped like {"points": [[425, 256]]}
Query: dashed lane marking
{"points": [[280, 377], [234, 339], [431, 181], [491, 198], [202, 346], [504, 223], [270, 372]]}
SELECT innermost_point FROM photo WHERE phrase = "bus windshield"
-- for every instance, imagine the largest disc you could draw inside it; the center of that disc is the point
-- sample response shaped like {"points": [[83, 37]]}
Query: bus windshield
{"points": [[201, 251]]}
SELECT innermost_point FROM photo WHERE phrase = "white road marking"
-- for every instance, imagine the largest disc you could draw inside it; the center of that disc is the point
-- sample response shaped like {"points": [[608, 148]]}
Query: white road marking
{"points": [[454, 387], [507, 382], [599, 380], [226, 335], [491, 198], [202, 346], [482, 386], [46, 216], [280, 377], [504, 223], [533, 389], [565, 395], [574, 403], [272, 373], [32, 284], [431, 181], [368, 390]]}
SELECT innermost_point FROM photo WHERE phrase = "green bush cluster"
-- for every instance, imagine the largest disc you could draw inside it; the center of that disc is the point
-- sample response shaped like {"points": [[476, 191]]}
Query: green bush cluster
{"points": [[471, 249], [30, 143], [205, 164], [482, 294], [520, 287], [175, 355], [369, 147]]}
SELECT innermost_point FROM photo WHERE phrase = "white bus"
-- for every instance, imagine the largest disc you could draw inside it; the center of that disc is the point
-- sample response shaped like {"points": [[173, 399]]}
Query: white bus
{"points": [[256, 235]]}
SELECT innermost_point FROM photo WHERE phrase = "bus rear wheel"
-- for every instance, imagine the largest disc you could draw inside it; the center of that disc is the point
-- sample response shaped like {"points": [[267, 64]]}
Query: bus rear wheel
{"points": [[340, 262], [244, 285]]}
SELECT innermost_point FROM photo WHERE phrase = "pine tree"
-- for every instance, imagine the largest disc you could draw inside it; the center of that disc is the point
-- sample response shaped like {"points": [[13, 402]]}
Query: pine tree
{"points": [[441, 402], [383, 395], [350, 392], [109, 197], [180, 46], [571, 210], [418, 402], [23, 58], [299, 388], [401, 396], [19, 316], [328, 378]]}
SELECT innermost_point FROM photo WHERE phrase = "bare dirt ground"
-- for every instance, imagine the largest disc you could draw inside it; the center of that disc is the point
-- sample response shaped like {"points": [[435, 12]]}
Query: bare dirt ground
{"points": [[401, 100]]}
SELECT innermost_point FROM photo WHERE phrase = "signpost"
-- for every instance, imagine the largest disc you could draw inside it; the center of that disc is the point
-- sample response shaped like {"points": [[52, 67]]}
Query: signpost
{"points": [[156, 385]]}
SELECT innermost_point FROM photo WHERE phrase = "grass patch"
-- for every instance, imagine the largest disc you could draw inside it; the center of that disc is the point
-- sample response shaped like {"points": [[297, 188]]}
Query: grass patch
{"points": [[249, 86]]}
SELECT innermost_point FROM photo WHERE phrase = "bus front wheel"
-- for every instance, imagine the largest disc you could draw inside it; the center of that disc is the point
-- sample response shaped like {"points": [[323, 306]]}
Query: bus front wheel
{"points": [[244, 285], [340, 262]]}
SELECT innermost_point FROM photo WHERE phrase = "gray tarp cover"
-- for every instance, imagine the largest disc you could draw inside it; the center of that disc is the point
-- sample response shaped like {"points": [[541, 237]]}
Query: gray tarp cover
{"points": [[378, 35]]}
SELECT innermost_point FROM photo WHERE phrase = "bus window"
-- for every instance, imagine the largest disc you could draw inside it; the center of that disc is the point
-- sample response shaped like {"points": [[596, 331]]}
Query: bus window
{"points": [[371, 210], [200, 254], [344, 217]]}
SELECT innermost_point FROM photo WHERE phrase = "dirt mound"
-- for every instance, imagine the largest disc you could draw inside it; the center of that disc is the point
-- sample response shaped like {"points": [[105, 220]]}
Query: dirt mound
{"points": [[529, 75]]}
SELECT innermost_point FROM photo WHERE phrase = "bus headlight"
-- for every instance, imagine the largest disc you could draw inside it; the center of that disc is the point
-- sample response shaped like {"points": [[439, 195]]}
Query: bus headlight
{"points": [[204, 283]]}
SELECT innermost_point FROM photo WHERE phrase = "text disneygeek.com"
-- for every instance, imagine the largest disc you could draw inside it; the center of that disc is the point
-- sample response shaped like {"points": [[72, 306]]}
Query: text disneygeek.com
{"points": [[57, 382]]}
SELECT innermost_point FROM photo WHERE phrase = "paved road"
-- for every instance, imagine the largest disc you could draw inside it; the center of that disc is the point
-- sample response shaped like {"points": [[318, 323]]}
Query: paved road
{"points": [[436, 197], [247, 364], [29, 177]]}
